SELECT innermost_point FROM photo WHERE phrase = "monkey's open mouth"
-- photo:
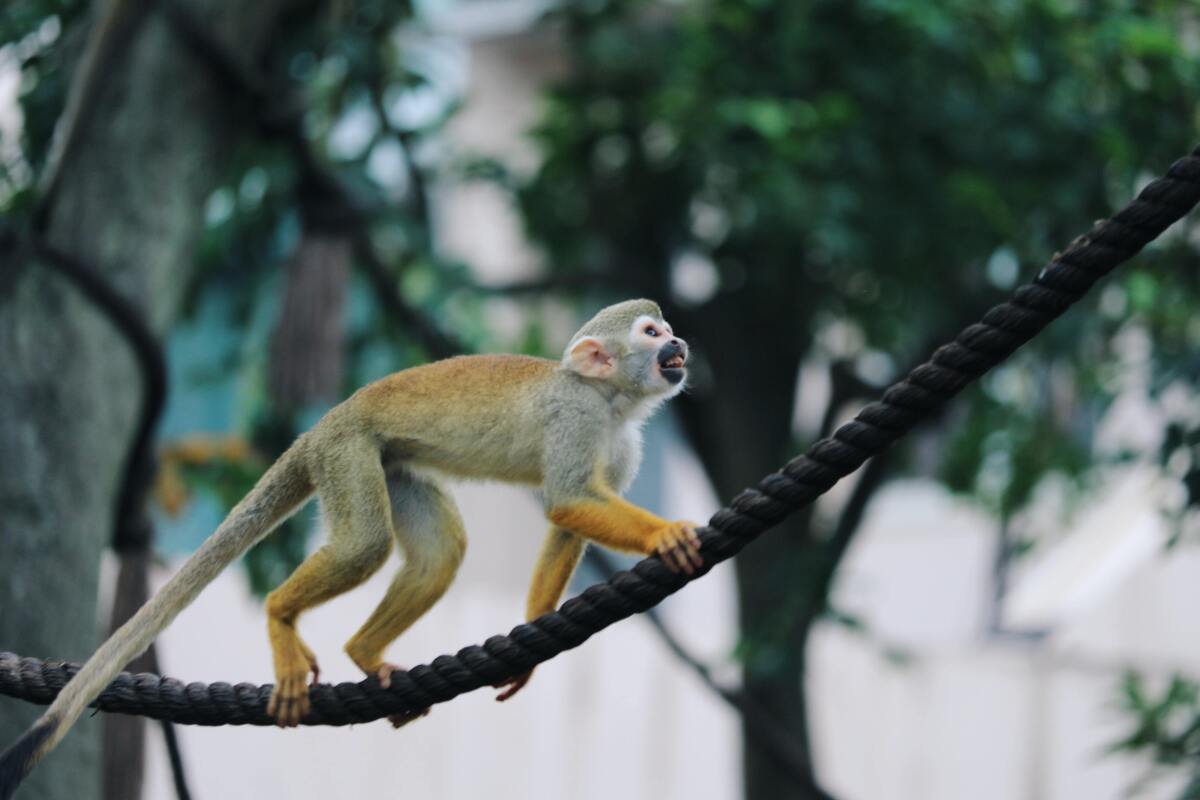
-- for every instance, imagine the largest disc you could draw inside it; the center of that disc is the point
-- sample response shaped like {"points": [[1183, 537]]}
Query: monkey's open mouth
{"points": [[671, 360]]}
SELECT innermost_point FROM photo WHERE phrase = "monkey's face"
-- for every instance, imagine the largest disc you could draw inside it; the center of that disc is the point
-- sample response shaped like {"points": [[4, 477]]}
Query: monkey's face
{"points": [[663, 355], [630, 346]]}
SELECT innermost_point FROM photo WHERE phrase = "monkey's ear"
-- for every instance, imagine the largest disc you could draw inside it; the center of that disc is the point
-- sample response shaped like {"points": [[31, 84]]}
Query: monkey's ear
{"points": [[590, 358]]}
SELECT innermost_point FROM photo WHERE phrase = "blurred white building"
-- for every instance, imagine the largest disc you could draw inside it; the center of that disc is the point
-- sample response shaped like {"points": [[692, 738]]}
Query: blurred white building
{"points": [[970, 713]]}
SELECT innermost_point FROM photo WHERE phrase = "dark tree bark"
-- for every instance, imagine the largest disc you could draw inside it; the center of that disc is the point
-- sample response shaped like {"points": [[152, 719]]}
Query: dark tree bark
{"points": [[124, 737], [130, 201], [742, 430], [309, 342]]}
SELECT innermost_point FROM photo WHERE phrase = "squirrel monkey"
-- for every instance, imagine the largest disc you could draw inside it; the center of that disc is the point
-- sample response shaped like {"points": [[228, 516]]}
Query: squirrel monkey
{"points": [[571, 427]]}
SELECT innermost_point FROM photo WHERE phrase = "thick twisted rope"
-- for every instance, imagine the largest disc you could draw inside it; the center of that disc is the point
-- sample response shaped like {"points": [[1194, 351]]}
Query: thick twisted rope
{"points": [[977, 349]]}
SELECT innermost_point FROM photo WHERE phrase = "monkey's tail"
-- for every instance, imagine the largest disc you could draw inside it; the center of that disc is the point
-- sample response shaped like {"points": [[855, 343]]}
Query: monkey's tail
{"points": [[277, 494]]}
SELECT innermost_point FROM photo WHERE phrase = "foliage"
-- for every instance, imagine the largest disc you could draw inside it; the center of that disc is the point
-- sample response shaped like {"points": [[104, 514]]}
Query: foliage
{"points": [[1165, 727], [850, 183], [885, 168]]}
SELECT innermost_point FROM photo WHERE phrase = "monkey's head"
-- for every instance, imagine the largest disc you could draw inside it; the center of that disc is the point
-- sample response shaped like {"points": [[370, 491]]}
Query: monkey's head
{"points": [[630, 346]]}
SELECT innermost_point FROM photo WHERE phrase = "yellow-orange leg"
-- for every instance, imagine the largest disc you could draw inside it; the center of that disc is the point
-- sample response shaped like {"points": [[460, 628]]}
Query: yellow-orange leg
{"points": [[619, 524], [560, 554], [430, 533], [351, 484]]}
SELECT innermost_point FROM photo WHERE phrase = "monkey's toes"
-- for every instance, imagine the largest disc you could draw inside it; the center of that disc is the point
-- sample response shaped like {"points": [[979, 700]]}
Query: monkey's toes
{"points": [[512, 686], [400, 720], [289, 700], [312, 663], [384, 674]]}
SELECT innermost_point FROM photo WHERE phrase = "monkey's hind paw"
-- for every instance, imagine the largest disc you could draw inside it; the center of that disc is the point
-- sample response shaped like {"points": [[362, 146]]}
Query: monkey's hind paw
{"points": [[513, 684], [400, 720], [384, 674], [312, 664], [289, 700], [679, 547]]}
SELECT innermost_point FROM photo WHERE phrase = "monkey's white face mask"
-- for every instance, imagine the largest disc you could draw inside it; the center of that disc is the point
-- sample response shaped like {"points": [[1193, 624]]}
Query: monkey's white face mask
{"points": [[667, 353]]}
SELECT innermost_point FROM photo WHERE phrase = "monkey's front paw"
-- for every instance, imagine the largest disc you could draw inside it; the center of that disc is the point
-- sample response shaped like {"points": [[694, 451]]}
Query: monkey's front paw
{"points": [[289, 700], [679, 547], [384, 673], [513, 684]]}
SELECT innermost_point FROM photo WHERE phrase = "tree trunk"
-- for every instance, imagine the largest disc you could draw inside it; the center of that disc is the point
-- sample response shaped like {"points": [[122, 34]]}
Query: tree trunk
{"points": [[124, 745], [130, 202], [742, 430], [308, 346], [773, 672]]}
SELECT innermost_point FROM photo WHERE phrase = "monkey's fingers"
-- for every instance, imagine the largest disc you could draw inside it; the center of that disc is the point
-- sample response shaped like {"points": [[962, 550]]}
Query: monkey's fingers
{"points": [[514, 684], [675, 558], [692, 545], [680, 548]]}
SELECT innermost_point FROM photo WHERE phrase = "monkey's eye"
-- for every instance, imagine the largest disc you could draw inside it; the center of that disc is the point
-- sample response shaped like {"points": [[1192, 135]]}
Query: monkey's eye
{"points": [[651, 330]]}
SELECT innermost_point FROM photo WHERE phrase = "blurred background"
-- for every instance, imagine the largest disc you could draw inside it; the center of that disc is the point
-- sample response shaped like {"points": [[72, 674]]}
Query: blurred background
{"points": [[263, 206]]}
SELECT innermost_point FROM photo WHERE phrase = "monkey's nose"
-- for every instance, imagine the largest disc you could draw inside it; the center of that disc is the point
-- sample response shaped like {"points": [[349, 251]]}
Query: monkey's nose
{"points": [[682, 345]]}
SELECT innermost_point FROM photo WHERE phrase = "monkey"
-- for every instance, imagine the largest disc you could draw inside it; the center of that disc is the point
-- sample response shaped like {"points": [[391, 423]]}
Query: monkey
{"points": [[378, 461]]}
